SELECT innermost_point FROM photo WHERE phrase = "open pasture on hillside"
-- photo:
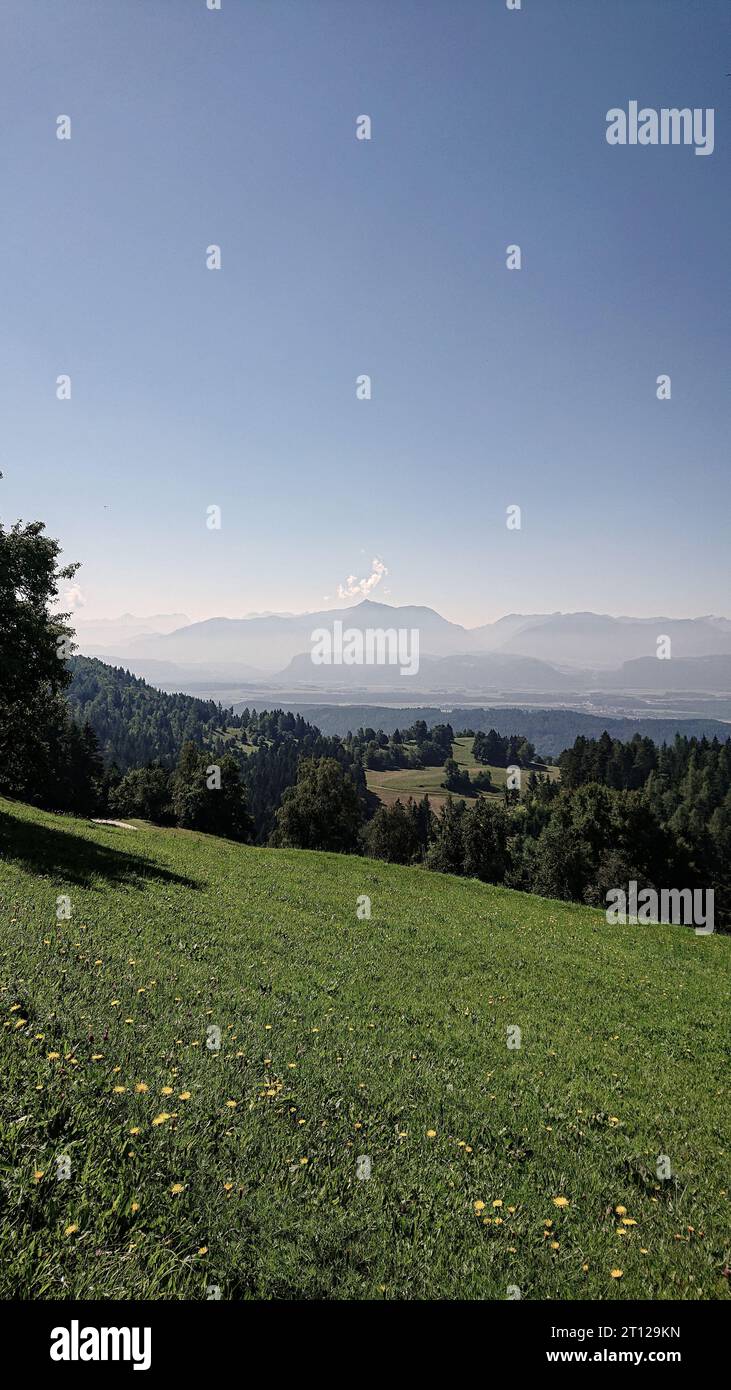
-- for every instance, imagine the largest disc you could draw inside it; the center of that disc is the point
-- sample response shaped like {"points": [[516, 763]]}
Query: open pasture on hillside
{"points": [[402, 783], [257, 1092]]}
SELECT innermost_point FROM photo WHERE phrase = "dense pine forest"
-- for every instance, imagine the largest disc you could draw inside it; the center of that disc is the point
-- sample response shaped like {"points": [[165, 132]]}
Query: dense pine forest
{"points": [[134, 723]]}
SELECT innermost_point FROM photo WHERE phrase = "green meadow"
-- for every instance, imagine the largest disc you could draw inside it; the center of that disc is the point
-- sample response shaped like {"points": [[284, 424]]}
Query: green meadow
{"points": [[364, 1130], [401, 783]]}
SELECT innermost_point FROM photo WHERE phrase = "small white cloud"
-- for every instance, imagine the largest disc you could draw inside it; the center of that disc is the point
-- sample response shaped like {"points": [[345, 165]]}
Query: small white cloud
{"points": [[73, 598], [354, 587]]}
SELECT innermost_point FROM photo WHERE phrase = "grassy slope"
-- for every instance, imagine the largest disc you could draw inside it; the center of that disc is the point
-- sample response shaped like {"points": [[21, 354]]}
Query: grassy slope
{"points": [[342, 1038]]}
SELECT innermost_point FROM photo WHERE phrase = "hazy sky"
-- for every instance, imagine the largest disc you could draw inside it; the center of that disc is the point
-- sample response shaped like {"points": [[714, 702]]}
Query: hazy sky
{"points": [[192, 387]]}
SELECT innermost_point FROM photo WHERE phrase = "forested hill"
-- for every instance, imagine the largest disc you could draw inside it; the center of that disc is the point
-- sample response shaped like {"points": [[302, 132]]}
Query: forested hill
{"points": [[550, 730], [135, 723]]}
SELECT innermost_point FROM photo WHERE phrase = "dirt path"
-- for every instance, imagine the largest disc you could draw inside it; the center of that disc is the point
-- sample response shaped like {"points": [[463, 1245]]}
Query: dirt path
{"points": [[123, 824]]}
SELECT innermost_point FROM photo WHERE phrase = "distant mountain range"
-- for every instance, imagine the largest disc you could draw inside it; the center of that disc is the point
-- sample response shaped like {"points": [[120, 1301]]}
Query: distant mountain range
{"points": [[119, 632], [471, 672], [599, 642], [536, 652]]}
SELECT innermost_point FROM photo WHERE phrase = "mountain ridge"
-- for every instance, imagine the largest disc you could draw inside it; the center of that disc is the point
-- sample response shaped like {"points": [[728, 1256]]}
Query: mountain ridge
{"points": [[585, 645]]}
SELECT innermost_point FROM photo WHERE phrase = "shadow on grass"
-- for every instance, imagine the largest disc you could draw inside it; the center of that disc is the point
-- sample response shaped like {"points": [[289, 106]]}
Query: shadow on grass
{"points": [[64, 855]]}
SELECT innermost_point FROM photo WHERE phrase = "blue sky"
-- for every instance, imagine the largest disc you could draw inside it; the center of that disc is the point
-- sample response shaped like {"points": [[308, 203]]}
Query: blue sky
{"points": [[236, 387]]}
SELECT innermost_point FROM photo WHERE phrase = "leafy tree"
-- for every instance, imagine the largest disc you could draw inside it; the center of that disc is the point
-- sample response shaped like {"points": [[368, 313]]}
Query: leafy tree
{"points": [[210, 796], [446, 852], [32, 636], [40, 754], [393, 834], [485, 833], [322, 810], [144, 792], [456, 779], [226, 809], [562, 863]]}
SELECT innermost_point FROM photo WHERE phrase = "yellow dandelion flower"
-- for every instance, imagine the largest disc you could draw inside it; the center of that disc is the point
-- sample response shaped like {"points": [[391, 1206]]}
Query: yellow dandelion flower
{"points": [[71, 1230], [617, 1273], [621, 1211], [38, 1174], [498, 1202], [628, 1221], [184, 1095], [560, 1201], [479, 1206], [431, 1134], [134, 1206], [203, 1250], [166, 1090], [232, 1104], [177, 1188], [97, 1056], [304, 1160], [135, 1129], [141, 1087], [53, 1056], [160, 1119], [119, 1089], [554, 1245], [228, 1186]]}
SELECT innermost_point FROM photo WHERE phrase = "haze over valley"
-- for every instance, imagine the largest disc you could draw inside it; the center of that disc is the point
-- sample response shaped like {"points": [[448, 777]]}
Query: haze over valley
{"points": [[583, 660]]}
